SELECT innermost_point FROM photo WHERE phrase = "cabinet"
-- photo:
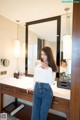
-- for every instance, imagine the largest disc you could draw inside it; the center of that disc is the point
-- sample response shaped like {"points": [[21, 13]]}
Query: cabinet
{"points": [[58, 103]]}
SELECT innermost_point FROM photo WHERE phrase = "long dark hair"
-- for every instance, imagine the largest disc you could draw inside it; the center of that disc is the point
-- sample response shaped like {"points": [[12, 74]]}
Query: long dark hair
{"points": [[51, 61], [64, 60]]}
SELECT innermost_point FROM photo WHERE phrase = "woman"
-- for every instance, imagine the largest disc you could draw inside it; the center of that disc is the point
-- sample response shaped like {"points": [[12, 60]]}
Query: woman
{"points": [[63, 66], [43, 79]]}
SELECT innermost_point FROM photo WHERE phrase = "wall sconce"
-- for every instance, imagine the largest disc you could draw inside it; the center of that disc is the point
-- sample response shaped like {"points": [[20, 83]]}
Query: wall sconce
{"points": [[17, 47], [67, 39], [67, 47]]}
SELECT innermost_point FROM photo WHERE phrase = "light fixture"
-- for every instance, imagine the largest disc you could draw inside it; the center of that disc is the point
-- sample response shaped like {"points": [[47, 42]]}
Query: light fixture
{"points": [[17, 47], [67, 40]]}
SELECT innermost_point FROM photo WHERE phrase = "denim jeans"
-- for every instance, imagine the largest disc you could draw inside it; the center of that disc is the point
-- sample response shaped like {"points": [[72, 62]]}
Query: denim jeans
{"points": [[41, 101]]}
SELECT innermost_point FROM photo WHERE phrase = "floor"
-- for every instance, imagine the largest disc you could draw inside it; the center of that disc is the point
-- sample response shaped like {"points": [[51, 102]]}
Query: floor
{"points": [[25, 114], [11, 118]]}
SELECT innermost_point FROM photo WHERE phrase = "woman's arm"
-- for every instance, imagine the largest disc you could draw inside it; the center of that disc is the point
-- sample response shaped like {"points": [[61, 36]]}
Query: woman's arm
{"points": [[32, 89]]}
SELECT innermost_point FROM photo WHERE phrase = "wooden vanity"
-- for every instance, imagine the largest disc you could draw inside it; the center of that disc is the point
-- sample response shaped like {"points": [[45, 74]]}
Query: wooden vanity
{"points": [[17, 88]]}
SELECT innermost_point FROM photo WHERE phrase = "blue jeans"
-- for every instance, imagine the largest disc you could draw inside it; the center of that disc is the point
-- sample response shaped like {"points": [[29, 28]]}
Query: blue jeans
{"points": [[41, 101]]}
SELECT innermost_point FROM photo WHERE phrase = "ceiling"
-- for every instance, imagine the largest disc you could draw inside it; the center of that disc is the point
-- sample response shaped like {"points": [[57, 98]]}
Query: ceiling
{"points": [[30, 10], [45, 30]]}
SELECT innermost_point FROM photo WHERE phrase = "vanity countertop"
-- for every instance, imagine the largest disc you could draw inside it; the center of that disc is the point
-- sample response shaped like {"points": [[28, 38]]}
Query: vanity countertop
{"points": [[27, 82]]}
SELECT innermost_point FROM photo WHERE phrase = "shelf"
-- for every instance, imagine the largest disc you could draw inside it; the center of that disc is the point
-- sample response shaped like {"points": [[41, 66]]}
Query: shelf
{"points": [[25, 113]]}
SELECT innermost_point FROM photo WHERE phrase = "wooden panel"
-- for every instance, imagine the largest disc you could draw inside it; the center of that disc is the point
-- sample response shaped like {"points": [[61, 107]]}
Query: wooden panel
{"points": [[79, 111], [17, 92], [1, 102], [7, 88], [77, 108], [61, 102], [20, 91], [61, 105], [75, 74]]}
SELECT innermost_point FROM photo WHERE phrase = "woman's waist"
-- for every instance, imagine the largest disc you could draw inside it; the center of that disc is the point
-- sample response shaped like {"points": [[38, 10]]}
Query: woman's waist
{"points": [[42, 84], [44, 81]]}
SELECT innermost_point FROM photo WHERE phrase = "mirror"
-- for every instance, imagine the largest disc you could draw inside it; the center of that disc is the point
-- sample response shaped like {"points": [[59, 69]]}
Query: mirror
{"points": [[40, 33]]}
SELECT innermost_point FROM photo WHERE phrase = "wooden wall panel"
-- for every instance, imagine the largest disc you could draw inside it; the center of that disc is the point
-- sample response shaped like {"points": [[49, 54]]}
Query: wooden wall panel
{"points": [[75, 81]]}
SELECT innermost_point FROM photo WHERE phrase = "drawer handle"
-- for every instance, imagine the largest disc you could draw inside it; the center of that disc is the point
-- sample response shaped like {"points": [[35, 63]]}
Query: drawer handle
{"points": [[55, 102]]}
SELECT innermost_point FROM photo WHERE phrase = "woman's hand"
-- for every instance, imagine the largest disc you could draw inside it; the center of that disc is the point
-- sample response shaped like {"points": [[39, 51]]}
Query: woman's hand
{"points": [[29, 90]]}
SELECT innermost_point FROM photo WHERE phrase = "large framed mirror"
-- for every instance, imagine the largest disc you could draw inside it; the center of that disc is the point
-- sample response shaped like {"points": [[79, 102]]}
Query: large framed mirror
{"points": [[40, 33]]}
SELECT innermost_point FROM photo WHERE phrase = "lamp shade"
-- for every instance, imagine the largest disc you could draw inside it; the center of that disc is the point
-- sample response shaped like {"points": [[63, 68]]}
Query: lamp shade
{"points": [[17, 48], [67, 47]]}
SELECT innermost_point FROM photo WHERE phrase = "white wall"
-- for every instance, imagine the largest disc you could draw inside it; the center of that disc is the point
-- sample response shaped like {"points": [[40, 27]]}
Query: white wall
{"points": [[8, 35]]}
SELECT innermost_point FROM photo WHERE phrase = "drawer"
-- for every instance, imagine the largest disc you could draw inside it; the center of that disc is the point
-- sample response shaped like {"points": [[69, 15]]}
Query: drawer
{"points": [[60, 102], [20, 91], [7, 88]]}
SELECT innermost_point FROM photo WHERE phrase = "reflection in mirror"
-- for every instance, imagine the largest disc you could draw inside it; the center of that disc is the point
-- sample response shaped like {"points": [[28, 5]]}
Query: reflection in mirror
{"points": [[40, 33], [66, 46], [47, 32]]}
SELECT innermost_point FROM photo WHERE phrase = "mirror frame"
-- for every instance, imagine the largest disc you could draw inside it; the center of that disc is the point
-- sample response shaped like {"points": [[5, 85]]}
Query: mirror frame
{"points": [[58, 18]]}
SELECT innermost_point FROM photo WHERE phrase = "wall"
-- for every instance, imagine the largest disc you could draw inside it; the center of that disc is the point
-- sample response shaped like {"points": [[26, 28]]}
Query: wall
{"points": [[8, 35], [32, 52]]}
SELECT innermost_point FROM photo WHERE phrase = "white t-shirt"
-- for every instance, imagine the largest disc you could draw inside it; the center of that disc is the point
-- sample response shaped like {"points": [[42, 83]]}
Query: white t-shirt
{"points": [[44, 75]]}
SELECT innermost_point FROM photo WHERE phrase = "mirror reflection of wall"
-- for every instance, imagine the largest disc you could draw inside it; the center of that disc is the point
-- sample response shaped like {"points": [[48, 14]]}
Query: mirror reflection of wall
{"points": [[40, 35], [66, 46], [32, 51]]}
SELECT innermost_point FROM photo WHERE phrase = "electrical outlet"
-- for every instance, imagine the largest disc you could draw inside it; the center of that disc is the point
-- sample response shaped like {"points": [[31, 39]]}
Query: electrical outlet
{"points": [[3, 72]]}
